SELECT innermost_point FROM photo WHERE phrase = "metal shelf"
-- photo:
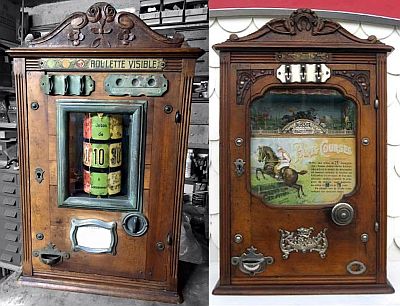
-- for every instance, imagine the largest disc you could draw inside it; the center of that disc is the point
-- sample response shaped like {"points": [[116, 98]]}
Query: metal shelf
{"points": [[8, 125]]}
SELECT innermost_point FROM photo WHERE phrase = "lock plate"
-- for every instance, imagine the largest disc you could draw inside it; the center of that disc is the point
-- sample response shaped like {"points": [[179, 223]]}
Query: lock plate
{"points": [[239, 166], [39, 175]]}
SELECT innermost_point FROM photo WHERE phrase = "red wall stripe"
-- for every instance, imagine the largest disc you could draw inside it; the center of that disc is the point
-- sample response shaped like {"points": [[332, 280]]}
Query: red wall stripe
{"points": [[385, 8]]}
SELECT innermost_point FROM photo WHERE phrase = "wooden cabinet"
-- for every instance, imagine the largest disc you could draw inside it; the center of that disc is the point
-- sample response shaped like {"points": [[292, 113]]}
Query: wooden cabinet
{"points": [[104, 109], [303, 160]]}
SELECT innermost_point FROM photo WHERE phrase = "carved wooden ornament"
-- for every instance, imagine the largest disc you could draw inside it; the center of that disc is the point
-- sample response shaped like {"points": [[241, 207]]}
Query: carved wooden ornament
{"points": [[102, 27], [302, 25]]}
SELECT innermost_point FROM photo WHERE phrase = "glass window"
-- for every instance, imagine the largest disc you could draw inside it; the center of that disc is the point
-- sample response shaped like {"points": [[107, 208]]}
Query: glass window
{"points": [[99, 154], [303, 146]]}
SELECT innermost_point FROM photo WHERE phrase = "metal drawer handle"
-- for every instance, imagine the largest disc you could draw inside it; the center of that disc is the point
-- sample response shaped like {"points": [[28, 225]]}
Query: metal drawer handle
{"points": [[50, 259], [252, 262], [51, 255], [254, 265]]}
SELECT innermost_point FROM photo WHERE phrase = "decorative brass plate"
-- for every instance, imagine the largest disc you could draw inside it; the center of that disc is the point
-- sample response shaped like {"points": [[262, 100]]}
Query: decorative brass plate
{"points": [[102, 64], [67, 85], [302, 241], [152, 85], [306, 57], [93, 236]]}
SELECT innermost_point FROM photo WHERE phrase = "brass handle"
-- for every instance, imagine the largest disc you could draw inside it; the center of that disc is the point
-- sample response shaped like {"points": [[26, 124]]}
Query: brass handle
{"points": [[255, 265], [252, 262], [50, 259], [342, 214], [50, 255]]}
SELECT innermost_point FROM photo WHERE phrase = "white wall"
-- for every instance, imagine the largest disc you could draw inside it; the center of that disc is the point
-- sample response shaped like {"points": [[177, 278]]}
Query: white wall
{"points": [[221, 28]]}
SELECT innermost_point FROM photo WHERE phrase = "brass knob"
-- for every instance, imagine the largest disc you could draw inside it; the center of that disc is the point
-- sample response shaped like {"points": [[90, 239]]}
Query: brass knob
{"points": [[342, 214]]}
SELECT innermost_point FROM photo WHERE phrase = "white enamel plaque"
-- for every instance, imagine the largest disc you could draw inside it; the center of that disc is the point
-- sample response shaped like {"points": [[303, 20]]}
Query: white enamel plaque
{"points": [[93, 236]]}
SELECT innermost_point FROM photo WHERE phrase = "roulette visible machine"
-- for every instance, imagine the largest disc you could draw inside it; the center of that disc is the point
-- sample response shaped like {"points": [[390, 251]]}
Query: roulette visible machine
{"points": [[303, 160], [104, 106]]}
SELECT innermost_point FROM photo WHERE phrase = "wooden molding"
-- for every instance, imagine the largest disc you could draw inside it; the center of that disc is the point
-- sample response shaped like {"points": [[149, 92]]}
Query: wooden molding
{"points": [[360, 79], [302, 25], [247, 77], [102, 27]]}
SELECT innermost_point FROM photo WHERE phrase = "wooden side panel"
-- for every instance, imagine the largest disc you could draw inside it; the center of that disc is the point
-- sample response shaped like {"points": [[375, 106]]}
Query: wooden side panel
{"points": [[23, 153]]}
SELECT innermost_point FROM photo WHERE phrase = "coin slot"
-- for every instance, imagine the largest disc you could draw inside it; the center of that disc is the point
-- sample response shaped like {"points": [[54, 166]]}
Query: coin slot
{"points": [[151, 82], [135, 82]]}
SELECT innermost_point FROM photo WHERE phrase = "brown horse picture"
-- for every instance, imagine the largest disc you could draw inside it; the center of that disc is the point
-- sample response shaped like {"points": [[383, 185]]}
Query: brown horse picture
{"points": [[289, 176]]}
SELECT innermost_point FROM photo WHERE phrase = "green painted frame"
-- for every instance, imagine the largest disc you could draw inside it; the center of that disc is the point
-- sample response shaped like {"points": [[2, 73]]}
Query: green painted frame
{"points": [[137, 126]]}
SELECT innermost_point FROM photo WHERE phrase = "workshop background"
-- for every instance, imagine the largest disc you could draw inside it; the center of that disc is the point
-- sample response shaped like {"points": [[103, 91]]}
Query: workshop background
{"points": [[243, 18]]}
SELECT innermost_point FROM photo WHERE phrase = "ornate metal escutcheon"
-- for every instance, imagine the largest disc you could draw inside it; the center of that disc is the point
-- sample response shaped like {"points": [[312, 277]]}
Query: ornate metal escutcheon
{"points": [[252, 262], [239, 164], [39, 175], [51, 255], [302, 241]]}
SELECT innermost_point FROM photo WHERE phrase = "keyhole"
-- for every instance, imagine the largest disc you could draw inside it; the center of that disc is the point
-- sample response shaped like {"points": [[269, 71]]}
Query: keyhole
{"points": [[39, 175]]}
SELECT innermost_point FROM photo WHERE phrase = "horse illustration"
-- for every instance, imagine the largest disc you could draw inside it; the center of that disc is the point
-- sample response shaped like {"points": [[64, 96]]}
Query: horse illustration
{"points": [[270, 160]]}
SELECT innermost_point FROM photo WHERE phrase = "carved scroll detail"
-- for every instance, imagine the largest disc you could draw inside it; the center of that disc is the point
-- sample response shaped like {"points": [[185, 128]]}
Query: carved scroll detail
{"points": [[301, 20], [302, 241], [244, 80], [360, 79], [102, 27], [301, 25]]}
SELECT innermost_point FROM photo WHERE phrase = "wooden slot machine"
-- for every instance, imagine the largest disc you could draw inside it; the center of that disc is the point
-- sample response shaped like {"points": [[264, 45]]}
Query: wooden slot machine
{"points": [[302, 160], [104, 108]]}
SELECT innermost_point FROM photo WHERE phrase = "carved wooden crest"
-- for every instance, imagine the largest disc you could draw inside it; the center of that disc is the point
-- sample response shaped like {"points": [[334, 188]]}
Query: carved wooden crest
{"points": [[102, 27], [302, 25]]}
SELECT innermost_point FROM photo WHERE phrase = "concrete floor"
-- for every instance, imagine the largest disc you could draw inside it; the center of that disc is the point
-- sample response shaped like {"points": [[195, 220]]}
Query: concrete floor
{"points": [[195, 293]]}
